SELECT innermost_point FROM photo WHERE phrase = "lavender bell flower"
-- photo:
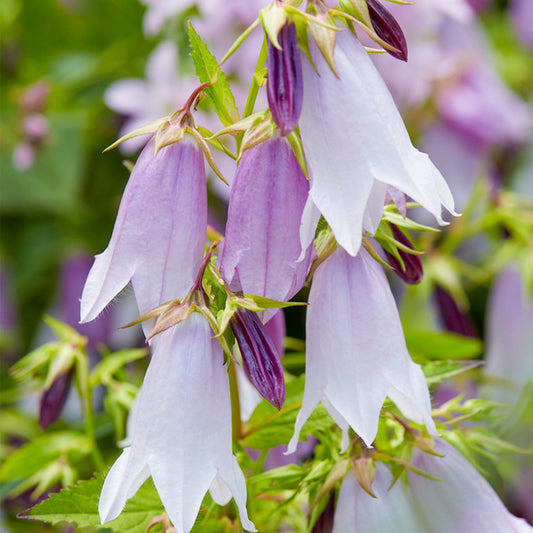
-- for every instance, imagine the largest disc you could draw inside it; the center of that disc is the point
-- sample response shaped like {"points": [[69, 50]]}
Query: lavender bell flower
{"points": [[509, 335], [259, 356], [284, 82], [356, 352], [388, 29], [412, 271], [262, 245], [352, 125], [184, 444], [159, 234], [461, 501]]}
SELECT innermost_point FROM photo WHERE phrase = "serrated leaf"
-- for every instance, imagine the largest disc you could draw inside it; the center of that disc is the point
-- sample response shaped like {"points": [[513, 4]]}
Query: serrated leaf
{"points": [[442, 345], [79, 504], [219, 93], [114, 362], [36, 454], [268, 427]]}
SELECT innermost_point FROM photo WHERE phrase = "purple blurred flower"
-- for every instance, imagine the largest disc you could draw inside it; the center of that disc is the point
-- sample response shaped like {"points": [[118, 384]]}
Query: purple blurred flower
{"points": [[260, 359], [509, 334], [159, 234], [184, 444], [521, 17], [142, 101], [356, 353], [453, 318], [284, 83], [352, 125], [262, 245], [462, 501]]}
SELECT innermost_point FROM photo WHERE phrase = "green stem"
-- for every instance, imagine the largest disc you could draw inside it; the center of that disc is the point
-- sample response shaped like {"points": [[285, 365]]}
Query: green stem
{"points": [[236, 423], [86, 396]]}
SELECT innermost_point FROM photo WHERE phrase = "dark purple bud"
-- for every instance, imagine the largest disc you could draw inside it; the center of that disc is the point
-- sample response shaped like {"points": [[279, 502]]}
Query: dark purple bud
{"points": [[53, 400], [260, 359], [453, 318], [324, 524], [388, 29], [412, 271], [285, 80]]}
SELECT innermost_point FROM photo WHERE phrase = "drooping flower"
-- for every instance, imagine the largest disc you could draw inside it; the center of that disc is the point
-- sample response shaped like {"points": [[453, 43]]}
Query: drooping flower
{"points": [[159, 233], [262, 245], [356, 352], [509, 335], [352, 125], [260, 358], [184, 444], [461, 501], [284, 83]]}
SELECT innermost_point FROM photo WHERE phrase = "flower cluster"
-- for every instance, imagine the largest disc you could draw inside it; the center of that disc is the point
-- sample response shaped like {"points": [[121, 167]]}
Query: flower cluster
{"points": [[315, 172]]}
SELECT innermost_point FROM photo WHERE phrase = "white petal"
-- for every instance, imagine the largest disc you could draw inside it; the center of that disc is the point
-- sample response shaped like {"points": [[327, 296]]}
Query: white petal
{"points": [[121, 483], [310, 218], [356, 351]]}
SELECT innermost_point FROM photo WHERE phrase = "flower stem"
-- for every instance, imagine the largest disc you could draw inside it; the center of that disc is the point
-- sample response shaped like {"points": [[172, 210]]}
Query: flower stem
{"points": [[236, 423], [254, 88]]}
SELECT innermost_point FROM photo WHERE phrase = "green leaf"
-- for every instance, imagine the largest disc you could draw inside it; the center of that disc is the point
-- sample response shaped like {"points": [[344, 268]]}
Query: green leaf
{"points": [[442, 345], [63, 331], [267, 303], [79, 504], [219, 93], [111, 363], [438, 371], [36, 454], [268, 427]]}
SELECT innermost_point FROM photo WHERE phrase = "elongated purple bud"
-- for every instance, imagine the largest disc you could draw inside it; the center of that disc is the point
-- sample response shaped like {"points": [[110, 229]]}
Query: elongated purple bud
{"points": [[53, 399], [412, 271], [285, 80], [387, 27], [326, 520], [453, 318], [261, 361]]}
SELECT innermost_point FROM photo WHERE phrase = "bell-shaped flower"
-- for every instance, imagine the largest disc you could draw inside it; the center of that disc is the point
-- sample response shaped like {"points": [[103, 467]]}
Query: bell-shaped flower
{"points": [[284, 83], [461, 501], [356, 353], [181, 432], [262, 245], [509, 335], [159, 234], [355, 139]]}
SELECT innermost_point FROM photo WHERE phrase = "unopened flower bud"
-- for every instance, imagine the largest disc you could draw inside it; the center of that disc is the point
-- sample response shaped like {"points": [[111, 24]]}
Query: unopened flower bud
{"points": [[260, 359], [325, 521], [285, 80], [412, 271], [388, 29], [454, 319], [53, 399]]}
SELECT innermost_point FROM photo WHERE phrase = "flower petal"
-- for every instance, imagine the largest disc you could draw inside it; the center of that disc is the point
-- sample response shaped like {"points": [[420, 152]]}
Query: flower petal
{"points": [[159, 234]]}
